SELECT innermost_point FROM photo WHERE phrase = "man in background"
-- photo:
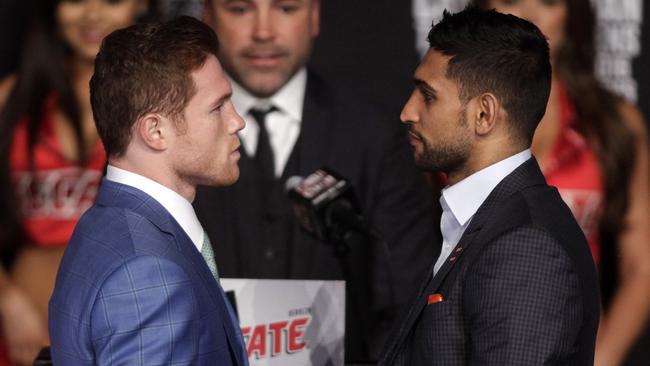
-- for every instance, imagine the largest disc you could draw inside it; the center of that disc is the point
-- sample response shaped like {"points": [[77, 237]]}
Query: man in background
{"points": [[297, 123]]}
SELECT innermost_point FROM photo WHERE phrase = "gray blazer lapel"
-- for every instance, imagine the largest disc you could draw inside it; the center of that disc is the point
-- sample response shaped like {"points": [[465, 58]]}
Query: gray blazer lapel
{"points": [[526, 175]]}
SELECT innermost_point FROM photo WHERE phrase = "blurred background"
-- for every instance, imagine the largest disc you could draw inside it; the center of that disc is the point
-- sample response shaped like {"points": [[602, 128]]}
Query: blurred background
{"points": [[372, 47]]}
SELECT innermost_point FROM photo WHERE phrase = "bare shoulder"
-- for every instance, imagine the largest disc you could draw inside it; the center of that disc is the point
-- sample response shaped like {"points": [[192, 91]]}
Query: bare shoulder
{"points": [[633, 118], [6, 85]]}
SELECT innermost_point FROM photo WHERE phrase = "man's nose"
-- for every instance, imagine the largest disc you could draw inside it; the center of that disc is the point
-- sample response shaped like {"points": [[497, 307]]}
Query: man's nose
{"points": [[263, 29]]}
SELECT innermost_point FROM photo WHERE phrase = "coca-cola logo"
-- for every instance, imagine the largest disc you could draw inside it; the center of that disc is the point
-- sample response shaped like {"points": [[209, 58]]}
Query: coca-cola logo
{"points": [[58, 193]]}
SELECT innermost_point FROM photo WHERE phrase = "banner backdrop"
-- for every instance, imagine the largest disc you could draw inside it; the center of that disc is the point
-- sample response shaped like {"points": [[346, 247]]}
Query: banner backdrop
{"points": [[290, 322], [619, 42], [618, 38]]}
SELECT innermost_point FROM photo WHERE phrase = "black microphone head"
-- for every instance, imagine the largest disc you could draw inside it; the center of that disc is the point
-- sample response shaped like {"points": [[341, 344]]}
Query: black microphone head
{"points": [[324, 203]]}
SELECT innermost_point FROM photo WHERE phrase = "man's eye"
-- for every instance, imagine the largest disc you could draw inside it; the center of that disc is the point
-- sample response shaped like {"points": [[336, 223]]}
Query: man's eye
{"points": [[551, 2], [238, 9], [288, 8]]}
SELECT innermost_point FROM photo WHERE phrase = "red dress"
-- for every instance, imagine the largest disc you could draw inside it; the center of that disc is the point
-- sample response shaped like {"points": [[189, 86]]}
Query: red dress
{"points": [[574, 169], [53, 196], [56, 192]]}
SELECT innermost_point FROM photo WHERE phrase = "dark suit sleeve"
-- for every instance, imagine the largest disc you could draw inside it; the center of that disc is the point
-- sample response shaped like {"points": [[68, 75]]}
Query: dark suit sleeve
{"points": [[404, 216], [146, 313], [523, 301]]}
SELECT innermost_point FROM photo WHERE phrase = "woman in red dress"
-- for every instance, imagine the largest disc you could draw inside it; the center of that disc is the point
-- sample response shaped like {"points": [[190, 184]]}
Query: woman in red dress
{"points": [[51, 159]]}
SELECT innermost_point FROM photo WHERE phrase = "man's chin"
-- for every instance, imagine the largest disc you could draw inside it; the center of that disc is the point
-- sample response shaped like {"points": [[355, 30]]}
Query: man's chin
{"points": [[263, 84], [228, 180], [424, 162], [420, 161], [221, 180], [232, 180]]}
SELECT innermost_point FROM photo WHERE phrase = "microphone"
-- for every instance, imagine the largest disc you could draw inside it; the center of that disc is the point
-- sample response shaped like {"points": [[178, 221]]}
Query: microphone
{"points": [[325, 205]]}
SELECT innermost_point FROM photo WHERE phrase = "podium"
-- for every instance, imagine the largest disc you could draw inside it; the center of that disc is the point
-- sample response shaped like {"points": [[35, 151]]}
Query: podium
{"points": [[290, 322]]}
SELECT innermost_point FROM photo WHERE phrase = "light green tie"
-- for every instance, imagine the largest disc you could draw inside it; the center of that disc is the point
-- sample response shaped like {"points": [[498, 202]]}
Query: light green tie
{"points": [[208, 255]]}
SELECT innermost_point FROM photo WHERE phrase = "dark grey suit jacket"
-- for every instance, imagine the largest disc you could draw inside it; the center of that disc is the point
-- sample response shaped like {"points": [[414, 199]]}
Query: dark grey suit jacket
{"points": [[370, 149], [519, 289]]}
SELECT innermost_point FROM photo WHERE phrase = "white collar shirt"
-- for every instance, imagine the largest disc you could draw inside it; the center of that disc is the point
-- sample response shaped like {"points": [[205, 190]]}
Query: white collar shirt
{"points": [[461, 201], [283, 124], [177, 206]]}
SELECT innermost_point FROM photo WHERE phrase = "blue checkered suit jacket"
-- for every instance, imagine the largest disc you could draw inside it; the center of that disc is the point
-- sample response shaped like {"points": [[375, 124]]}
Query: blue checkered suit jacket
{"points": [[519, 289], [132, 289]]}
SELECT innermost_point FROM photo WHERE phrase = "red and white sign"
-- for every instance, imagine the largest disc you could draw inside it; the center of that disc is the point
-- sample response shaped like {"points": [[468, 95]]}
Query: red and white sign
{"points": [[291, 322]]}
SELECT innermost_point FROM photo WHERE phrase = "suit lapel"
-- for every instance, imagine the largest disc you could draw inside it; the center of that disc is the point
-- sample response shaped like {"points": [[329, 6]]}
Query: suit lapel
{"points": [[120, 195], [317, 126], [432, 283], [230, 323], [216, 293], [526, 175]]}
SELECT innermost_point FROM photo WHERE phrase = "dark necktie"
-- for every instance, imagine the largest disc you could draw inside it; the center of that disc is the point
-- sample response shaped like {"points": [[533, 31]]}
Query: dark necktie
{"points": [[264, 154]]}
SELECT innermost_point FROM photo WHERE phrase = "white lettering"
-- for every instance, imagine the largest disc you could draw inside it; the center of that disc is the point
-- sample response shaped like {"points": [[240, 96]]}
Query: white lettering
{"points": [[58, 193], [620, 38], [626, 10], [618, 42], [613, 66]]}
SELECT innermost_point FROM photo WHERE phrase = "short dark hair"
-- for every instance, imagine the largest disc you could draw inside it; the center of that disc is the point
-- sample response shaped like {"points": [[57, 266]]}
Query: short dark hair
{"points": [[501, 54], [146, 68]]}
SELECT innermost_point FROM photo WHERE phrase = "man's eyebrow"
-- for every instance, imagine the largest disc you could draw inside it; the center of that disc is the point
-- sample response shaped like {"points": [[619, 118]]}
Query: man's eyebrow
{"points": [[222, 99], [424, 86]]}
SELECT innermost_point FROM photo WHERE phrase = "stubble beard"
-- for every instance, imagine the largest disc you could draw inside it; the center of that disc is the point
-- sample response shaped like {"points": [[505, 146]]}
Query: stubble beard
{"points": [[446, 157]]}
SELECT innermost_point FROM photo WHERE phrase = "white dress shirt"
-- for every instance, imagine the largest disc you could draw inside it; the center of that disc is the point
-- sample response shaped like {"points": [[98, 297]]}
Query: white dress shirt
{"points": [[283, 124], [180, 209], [461, 201]]}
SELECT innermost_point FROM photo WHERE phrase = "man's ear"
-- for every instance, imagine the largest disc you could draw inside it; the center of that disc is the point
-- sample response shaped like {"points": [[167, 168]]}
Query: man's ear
{"points": [[486, 115], [154, 131]]}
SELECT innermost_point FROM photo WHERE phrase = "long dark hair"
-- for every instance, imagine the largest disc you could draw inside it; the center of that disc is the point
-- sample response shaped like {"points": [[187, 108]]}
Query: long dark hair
{"points": [[43, 71], [599, 119]]}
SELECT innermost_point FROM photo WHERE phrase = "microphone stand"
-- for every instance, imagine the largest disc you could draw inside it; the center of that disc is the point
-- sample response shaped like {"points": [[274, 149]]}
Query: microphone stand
{"points": [[352, 248]]}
